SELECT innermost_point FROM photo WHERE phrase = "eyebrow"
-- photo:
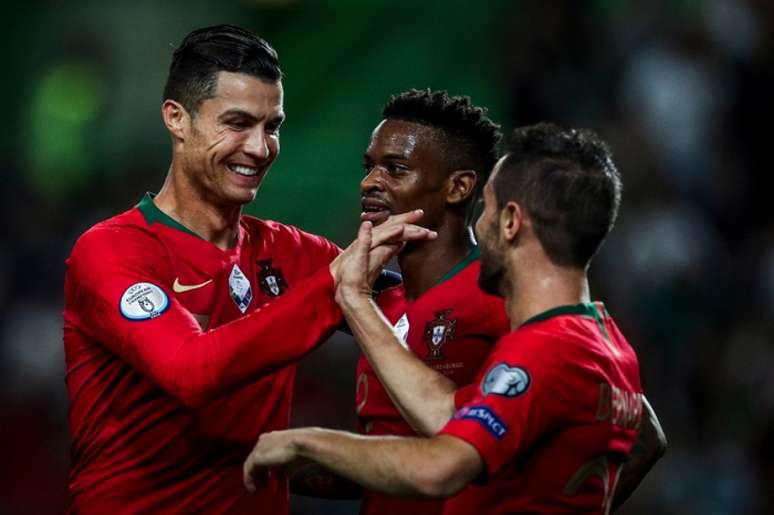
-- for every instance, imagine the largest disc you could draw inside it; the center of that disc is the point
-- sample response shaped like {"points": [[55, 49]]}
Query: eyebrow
{"points": [[391, 155], [240, 112]]}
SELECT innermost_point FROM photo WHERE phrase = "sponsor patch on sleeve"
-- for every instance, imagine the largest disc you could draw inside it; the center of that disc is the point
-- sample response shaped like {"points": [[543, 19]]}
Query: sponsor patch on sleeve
{"points": [[484, 416], [143, 301], [503, 379]]}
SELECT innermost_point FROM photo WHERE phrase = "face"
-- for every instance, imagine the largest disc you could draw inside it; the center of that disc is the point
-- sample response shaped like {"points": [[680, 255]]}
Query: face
{"points": [[492, 275], [404, 170], [233, 139]]}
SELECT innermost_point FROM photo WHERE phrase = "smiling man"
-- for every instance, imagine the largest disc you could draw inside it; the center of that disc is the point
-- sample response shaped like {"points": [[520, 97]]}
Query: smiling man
{"points": [[183, 318]]}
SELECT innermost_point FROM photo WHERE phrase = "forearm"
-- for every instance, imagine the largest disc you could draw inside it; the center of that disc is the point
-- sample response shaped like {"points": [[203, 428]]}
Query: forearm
{"points": [[196, 367], [392, 465], [649, 447], [313, 480], [424, 397]]}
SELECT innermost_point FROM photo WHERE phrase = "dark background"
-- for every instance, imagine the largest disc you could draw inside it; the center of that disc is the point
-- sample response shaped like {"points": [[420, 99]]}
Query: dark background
{"points": [[681, 89]]}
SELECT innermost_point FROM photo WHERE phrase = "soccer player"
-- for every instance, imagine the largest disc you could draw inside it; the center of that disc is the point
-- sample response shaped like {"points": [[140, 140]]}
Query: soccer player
{"points": [[557, 406], [183, 317], [431, 151]]}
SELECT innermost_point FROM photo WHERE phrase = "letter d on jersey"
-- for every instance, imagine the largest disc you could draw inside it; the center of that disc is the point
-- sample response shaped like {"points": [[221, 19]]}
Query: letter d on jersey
{"points": [[143, 301]]}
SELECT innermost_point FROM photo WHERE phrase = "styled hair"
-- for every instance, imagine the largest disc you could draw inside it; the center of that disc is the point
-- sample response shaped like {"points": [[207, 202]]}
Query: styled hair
{"points": [[205, 52], [471, 138], [569, 186]]}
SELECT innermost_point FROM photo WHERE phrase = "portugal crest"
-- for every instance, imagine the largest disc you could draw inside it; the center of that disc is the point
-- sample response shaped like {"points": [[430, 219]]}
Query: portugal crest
{"points": [[437, 332], [270, 279]]}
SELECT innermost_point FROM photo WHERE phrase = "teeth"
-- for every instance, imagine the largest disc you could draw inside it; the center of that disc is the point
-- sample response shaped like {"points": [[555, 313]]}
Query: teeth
{"points": [[243, 170]]}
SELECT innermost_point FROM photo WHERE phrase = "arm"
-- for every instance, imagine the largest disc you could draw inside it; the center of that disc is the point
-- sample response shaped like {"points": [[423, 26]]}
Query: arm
{"points": [[424, 397], [650, 446], [313, 480], [192, 365], [170, 348], [430, 467]]}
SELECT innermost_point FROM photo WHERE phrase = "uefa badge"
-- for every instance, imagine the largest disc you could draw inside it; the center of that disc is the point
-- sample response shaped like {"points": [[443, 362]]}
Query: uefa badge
{"points": [[143, 301], [437, 332], [239, 288], [270, 279], [503, 379]]}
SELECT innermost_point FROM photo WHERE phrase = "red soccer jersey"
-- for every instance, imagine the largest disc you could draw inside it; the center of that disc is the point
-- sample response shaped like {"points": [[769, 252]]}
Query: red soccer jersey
{"points": [[553, 414], [179, 354], [452, 328]]}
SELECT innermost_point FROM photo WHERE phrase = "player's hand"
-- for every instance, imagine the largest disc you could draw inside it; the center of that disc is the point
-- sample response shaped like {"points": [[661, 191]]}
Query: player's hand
{"points": [[273, 449], [385, 241], [354, 271]]}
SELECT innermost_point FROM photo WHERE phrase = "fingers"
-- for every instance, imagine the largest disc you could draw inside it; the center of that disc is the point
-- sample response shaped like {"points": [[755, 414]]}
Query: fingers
{"points": [[379, 256], [364, 240], [400, 232], [409, 217], [249, 472]]}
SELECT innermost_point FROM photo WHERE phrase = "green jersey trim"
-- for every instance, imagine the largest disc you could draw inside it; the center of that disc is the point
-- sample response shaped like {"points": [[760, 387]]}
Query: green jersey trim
{"points": [[153, 214], [595, 310], [473, 255]]}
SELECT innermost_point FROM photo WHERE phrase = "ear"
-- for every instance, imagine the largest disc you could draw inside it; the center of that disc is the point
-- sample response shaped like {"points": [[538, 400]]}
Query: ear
{"points": [[176, 118], [462, 185], [511, 220]]}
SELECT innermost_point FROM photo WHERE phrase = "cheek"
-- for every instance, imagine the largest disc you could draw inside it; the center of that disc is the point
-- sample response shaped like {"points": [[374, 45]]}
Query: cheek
{"points": [[273, 142]]}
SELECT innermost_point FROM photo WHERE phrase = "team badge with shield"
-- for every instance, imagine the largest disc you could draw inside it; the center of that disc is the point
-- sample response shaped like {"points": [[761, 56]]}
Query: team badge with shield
{"points": [[437, 332], [271, 280], [239, 288]]}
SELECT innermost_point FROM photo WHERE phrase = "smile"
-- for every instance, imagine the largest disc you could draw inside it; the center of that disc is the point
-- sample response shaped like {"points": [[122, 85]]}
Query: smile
{"points": [[246, 171]]}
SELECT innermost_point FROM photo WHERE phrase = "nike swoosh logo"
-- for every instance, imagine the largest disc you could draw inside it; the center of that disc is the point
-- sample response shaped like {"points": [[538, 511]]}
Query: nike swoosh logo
{"points": [[182, 288]]}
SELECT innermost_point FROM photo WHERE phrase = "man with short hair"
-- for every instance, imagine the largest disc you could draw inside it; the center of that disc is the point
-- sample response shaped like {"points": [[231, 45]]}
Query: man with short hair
{"points": [[557, 407], [183, 318], [431, 151]]}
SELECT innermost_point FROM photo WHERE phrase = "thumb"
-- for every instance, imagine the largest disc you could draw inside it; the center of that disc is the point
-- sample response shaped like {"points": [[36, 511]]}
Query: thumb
{"points": [[364, 237]]}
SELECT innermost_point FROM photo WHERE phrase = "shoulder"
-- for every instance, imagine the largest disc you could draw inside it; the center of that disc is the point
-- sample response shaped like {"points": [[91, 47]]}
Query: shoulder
{"points": [[277, 232], [122, 237]]}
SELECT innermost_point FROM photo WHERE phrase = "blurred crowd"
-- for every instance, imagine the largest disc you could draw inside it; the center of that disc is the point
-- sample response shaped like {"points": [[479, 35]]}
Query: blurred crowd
{"points": [[682, 90]]}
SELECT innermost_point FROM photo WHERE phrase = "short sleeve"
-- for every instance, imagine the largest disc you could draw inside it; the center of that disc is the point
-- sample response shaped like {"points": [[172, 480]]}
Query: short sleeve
{"points": [[510, 404]]}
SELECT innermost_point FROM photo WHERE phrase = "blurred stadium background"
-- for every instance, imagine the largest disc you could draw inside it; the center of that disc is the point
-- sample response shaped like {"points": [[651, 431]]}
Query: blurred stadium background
{"points": [[682, 89]]}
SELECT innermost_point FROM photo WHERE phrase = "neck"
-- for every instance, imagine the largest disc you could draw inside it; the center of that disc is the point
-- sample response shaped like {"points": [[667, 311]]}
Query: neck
{"points": [[423, 264], [191, 207], [545, 286]]}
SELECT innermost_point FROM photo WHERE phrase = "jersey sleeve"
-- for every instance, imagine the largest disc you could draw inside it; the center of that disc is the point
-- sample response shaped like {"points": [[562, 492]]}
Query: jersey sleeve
{"points": [[318, 249], [117, 287], [512, 402]]}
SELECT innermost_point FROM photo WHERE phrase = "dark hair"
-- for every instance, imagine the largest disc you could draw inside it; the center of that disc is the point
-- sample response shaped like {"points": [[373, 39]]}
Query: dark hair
{"points": [[567, 182], [205, 52], [472, 138]]}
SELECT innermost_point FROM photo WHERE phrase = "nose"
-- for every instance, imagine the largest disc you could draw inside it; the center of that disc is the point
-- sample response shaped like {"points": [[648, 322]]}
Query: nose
{"points": [[372, 181], [257, 145]]}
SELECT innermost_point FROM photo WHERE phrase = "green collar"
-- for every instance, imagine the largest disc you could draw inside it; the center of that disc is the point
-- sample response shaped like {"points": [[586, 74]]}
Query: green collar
{"points": [[153, 214], [595, 310], [472, 256]]}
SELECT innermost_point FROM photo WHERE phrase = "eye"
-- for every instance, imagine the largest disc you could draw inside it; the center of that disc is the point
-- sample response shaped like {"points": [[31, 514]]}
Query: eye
{"points": [[396, 168], [239, 125]]}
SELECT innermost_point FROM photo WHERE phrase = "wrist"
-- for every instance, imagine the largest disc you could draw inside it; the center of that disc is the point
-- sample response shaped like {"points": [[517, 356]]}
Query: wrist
{"points": [[352, 298]]}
